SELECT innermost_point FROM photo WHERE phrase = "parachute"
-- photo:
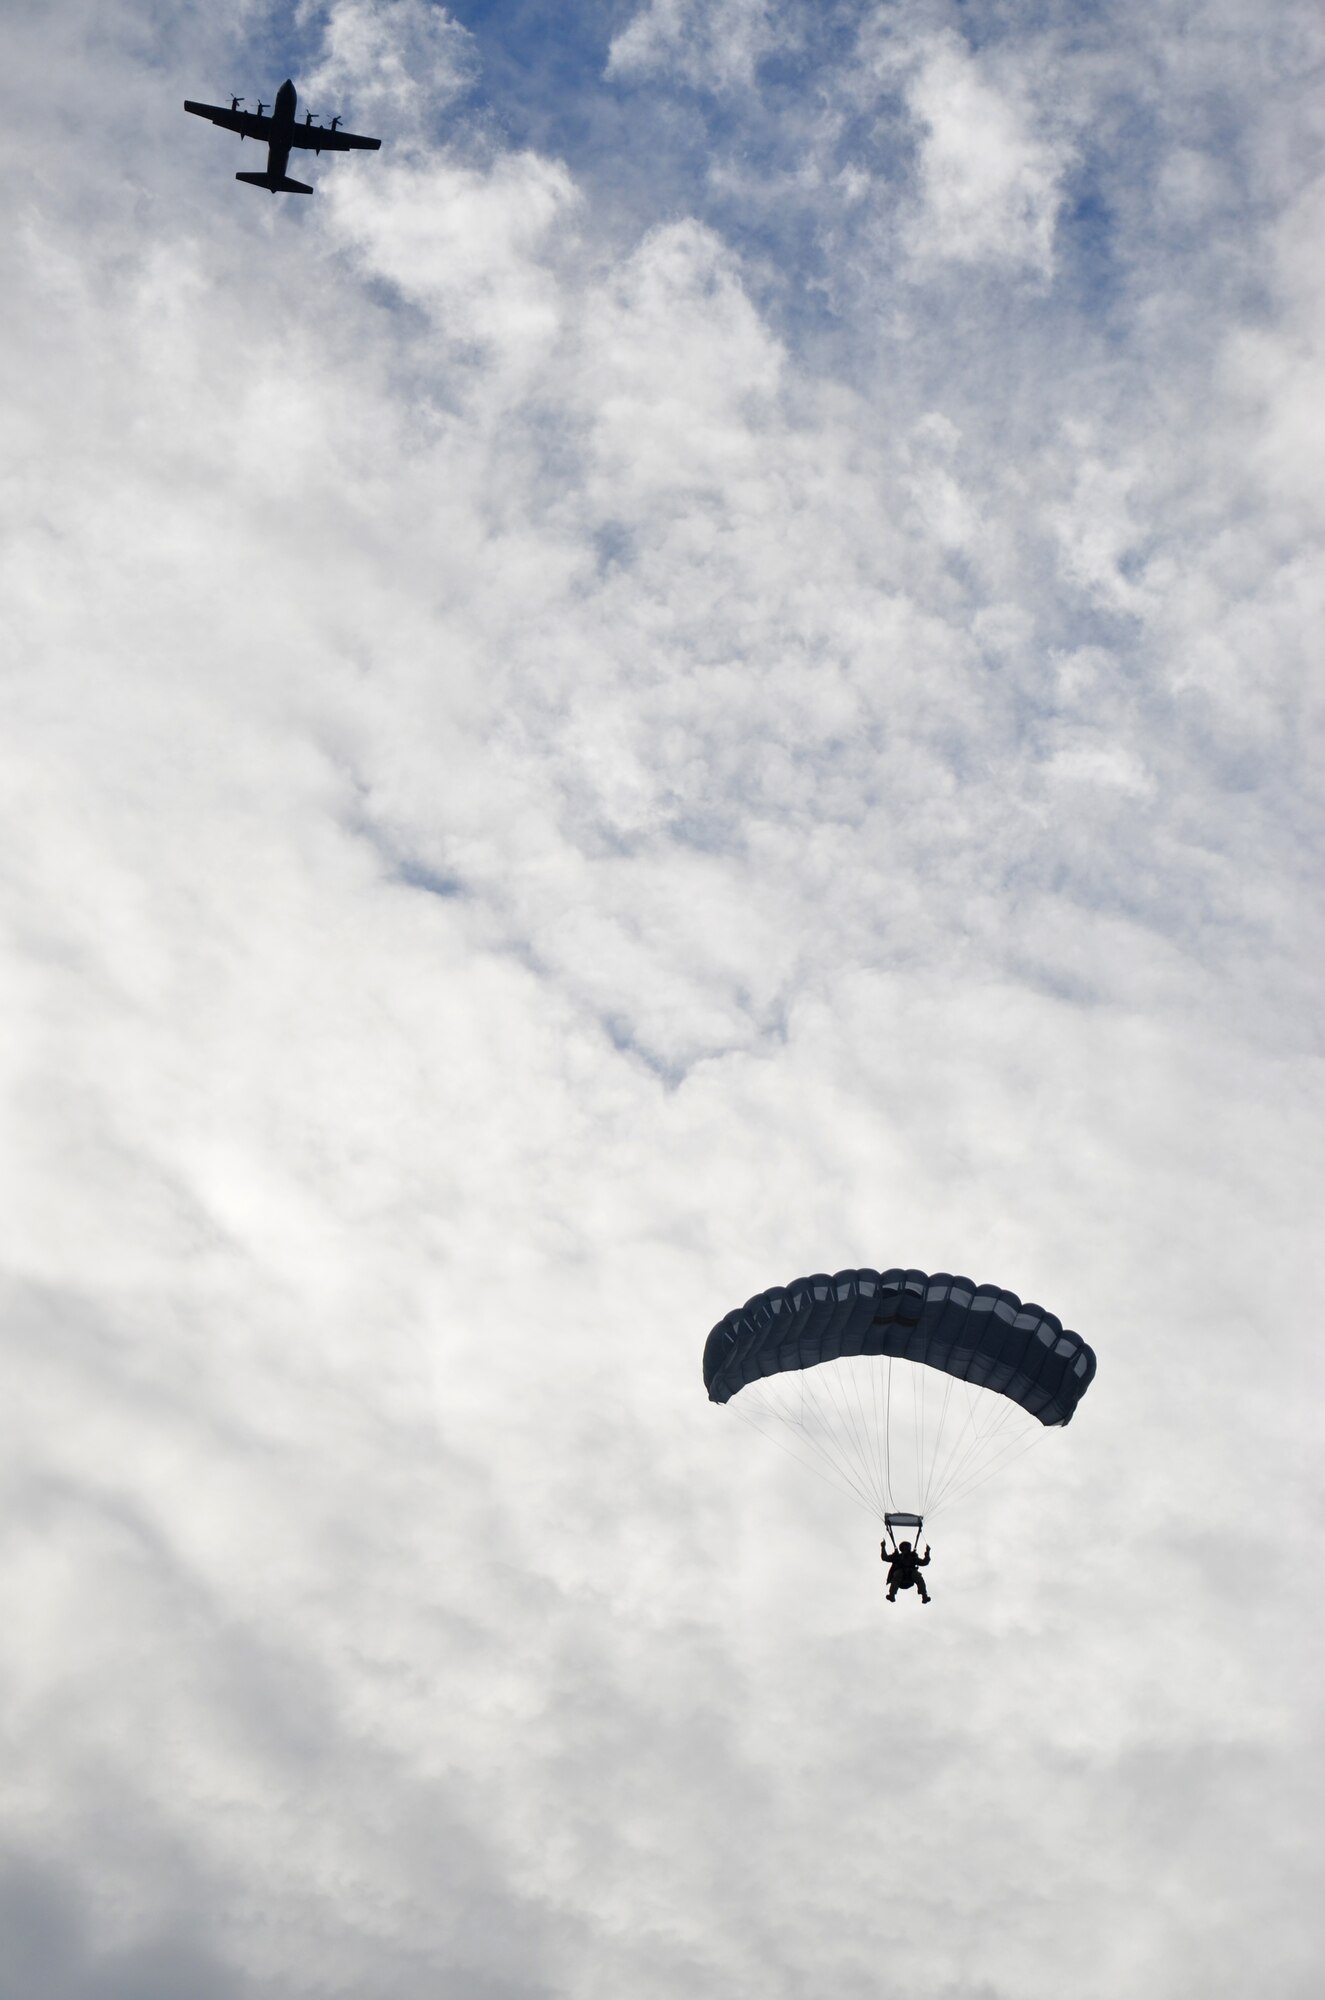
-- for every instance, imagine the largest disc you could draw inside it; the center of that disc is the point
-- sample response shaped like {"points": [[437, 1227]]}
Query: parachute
{"points": [[900, 1386]]}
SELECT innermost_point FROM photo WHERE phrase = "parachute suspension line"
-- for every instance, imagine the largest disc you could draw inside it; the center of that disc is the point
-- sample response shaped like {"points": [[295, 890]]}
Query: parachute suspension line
{"points": [[750, 1417], [861, 1427], [831, 1420], [963, 1455], [838, 1393], [870, 1433], [829, 1427], [962, 1473], [880, 1438], [837, 1425], [837, 1428], [865, 1429], [954, 1449], [822, 1432], [829, 1479], [840, 1473], [938, 1440], [915, 1408], [1013, 1449]]}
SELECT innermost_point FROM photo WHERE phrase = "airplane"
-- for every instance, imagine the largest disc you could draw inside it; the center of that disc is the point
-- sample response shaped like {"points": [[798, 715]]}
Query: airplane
{"points": [[280, 133]]}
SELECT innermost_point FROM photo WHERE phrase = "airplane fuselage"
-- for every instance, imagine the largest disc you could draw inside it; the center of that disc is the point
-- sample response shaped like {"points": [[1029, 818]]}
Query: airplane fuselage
{"points": [[282, 130]]}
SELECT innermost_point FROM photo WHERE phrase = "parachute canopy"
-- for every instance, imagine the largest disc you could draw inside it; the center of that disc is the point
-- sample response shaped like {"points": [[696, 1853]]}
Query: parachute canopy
{"points": [[975, 1333]]}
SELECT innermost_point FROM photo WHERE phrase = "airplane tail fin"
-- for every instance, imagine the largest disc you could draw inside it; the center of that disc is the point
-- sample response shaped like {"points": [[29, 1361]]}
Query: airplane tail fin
{"points": [[275, 184]]}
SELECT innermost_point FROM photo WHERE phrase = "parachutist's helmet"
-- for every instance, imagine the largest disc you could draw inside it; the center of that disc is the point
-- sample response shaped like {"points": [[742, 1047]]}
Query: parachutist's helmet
{"points": [[904, 1545]]}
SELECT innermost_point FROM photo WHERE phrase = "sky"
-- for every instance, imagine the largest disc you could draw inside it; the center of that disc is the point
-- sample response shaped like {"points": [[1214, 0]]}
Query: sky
{"points": [[708, 668]]}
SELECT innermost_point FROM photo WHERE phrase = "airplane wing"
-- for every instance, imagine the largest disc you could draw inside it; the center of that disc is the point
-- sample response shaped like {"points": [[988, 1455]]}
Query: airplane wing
{"points": [[322, 139], [246, 122]]}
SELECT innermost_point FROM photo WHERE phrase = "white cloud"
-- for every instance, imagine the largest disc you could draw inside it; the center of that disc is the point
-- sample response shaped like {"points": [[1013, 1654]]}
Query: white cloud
{"points": [[990, 181], [713, 47], [1276, 367], [400, 63], [529, 812]]}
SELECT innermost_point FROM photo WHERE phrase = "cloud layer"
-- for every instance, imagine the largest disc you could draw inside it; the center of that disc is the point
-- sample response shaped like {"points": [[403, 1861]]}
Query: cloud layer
{"points": [[583, 734]]}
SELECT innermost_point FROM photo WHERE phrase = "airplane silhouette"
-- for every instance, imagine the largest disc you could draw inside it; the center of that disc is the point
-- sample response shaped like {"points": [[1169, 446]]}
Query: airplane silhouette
{"points": [[280, 133]]}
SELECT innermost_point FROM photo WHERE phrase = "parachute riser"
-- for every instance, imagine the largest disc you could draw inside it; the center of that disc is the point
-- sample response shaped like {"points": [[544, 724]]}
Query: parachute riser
{"points": [[894, 1521]]}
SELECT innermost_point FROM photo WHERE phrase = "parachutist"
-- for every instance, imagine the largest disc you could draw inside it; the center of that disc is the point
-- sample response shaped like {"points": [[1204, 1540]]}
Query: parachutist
{"points": [[904, 1567]]}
